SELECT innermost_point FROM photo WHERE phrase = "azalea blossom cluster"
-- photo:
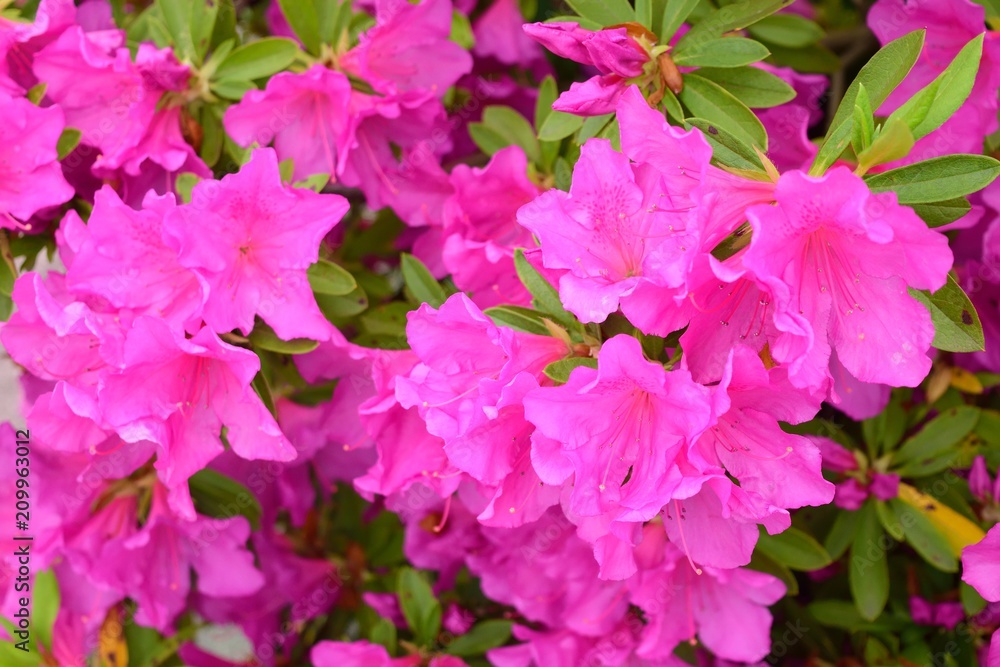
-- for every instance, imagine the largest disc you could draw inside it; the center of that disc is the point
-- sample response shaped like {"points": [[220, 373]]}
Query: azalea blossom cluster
{"points": [[368, 294]]}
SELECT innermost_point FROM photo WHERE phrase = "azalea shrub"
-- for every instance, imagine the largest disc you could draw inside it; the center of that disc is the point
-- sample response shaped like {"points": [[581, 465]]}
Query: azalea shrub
{"points": [[455, 333]]}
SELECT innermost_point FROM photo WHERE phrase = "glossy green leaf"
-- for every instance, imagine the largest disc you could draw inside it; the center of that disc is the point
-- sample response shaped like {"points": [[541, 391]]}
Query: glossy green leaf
{"points": [[304, 21], [325, 277], [482, 637], [929, 108], [751, 85], [544, 297], [519, 319], [560, 371], [795, 549], [841, 533], [724, 52], [937, 179], [419, 606], [420, 282], [869, 567], [727, 149], [790, 30], [44, 606], [514, 128], [559, 125], [604, 12], [939, 436], [944, 212], [264, 338], [880, 76], [957, 327], [222, 497], [674, 15], [924, 537], [707, 99], [257, 59], [735, 16], [68, 140]]}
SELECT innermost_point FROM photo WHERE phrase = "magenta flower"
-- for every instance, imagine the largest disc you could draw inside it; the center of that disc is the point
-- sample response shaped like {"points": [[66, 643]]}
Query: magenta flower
{"points": [[616, 232], [315, 103], [725, 609], [152, 564], [30, 176], [480, 227], [252, 240], [842, 257], [618, 429], [180, 393], [613, 52], [981, 565], [408, 49], [121, 256]]}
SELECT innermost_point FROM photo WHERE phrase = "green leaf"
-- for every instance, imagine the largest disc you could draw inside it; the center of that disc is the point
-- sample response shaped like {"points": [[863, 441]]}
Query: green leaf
{"points": [[707, 99], [559, 125], [68, 140], [972, 601], [863, 132], [519, 319], [790, 30], [222, 497], [929, 108], [483, 636], [203, 17], [944, 212], [937, 179], [841, 533], [887, 517], [893, 142], [604, 12], [37, 92], [722, 52], [488, 140], [644, 13], [593, 126], [544, 296], [514, 128], [263, 390], [45, 606], [751, 85], [674, 15], [264, 338], [420, 608], [939, 436], [561, 370], [304, 21], [880, 76], [232, 89], [325, 277], [383, 632], [869, 573], [176, 15], [420, 282], [338, 308], [727, 149], [461, 30], [735, 16], [957, 327], [257, 59], [813, 58], [924, 537], [548, 92], [835, 614], [795, 549]]}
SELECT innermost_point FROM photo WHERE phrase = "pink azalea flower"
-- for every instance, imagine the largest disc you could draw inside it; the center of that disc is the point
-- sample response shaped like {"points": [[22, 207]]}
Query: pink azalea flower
{"points": [[950, 24], [121, 255], [617, 231], [19, 42], [152, 564], [117, 110], [358, 654], [409, 49], [179, 393], [981, 565], [615, 54], [945, 614], [30, 176], [315, 103], [842, 257], [618, 428], [252, 240], [725, 609], [481, 229], [499, 35]]}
